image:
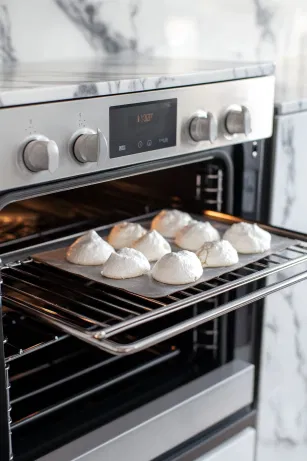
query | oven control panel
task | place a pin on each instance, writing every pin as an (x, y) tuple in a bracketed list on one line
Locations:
[(60, 140), (142, 127)]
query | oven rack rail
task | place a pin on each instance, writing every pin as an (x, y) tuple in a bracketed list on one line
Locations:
[(38, 337), (100, 315)]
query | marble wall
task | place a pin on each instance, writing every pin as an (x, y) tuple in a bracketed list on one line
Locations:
[(35, 30), (282, 424)]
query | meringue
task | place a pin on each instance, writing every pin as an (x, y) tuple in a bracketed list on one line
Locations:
[(169, 222), (218, 254), (195, 234), (152, 245), (125, 234), (125, 264), (178, 268), (89, 250), (248, 238)]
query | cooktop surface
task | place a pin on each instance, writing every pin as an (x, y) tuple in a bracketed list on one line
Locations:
[(30, 83)]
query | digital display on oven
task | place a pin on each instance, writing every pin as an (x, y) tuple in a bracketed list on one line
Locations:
[(137, 128)]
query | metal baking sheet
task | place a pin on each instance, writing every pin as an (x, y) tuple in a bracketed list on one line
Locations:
[(146, 285)]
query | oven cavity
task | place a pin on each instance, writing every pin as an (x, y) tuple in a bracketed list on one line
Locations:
[(49, 373)]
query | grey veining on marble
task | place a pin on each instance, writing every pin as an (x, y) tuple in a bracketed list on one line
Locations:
[(294, 101), (97, 31), (283, 408), (7, 52), (252, 29), (291, 89), (282, 425), (264, 18), (34, 83), (289, 179), (287, 140)]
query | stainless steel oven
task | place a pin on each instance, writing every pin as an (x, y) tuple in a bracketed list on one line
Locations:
[(93, 372)]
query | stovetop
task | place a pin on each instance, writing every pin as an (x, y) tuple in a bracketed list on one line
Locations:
[(30, 83)]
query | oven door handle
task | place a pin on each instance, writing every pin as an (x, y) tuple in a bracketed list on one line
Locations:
[(136, 346)]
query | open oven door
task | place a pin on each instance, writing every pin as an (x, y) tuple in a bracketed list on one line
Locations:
[(167, 423)]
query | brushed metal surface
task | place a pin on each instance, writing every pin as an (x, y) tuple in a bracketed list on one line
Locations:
[(60, 120), (203, 127), (87, 147), (238, 121), (41, 156), (159, 426)]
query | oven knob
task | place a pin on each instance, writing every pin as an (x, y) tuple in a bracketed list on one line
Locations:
[(238, 121), (41, 155), (87, 147), (203, 127)]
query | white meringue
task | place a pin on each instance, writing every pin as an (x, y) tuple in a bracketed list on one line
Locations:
[(125, 264), (125, 234), (178, 268), (152, 245), (89, 250), (248, 238), (195, 234), (218, 254), (168, 222)]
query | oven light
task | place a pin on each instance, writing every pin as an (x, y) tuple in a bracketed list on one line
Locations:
[(48, 311), (13, 219), (224, 217), (5, 219)]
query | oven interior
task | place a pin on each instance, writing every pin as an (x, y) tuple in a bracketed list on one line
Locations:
[(60, 387), (42, 219)]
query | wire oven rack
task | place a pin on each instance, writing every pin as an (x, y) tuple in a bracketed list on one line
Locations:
[(28, 336), (43, 367), (102, 315)]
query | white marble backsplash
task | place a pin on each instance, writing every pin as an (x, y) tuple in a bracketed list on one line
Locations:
[(282, 428), (35, 30)]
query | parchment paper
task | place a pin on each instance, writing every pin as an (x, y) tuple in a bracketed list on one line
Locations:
[(146, 285)]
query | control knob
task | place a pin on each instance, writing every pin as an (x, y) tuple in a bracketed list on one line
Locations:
[(41, 155), (87, 147), (203, 127), (238, 121)]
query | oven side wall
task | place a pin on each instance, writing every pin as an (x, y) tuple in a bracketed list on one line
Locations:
[(5, 436)]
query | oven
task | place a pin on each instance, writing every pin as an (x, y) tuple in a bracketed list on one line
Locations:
[(90, 371)]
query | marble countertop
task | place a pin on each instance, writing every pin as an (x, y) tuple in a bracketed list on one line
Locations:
[(290, 98), (34, 83), (291, 85)]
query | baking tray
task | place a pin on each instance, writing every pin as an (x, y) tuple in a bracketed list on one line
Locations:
[(145, 285)]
